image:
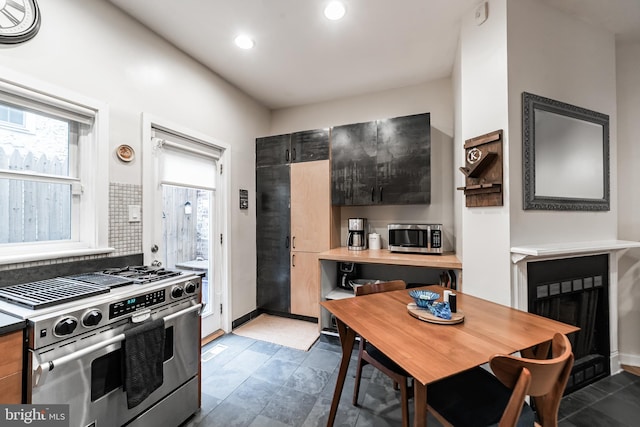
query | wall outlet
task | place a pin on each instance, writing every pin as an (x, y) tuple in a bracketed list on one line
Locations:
[(481, 13)]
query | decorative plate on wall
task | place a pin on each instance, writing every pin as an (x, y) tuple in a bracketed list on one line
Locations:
[(125, 153), (20, 21)]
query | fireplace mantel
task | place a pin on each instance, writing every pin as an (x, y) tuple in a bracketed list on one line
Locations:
[(523, 255), (552, 250)]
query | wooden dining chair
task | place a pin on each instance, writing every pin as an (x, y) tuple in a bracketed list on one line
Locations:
[(369, 355), (477, 398)]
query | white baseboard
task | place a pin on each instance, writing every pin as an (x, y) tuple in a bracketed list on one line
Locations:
[(629, 359)]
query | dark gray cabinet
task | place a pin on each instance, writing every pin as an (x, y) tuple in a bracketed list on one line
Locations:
[(273, 150), (305, 146), (274, 154), (272, 237), (404, 160), (310, 145), (353, 164), (382, 162)]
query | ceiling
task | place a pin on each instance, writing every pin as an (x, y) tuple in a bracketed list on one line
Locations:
[(300, 57)]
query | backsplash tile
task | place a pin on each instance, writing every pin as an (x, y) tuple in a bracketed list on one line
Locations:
[(124, 236)]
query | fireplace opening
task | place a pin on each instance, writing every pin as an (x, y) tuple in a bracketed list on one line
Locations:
[(576, 291)]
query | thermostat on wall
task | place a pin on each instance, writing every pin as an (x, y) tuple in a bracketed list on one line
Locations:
[(244, 199)]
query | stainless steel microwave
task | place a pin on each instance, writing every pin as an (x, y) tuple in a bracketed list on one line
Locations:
[(416, 238)]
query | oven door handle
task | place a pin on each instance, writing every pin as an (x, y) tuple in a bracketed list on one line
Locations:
[(41, 369)]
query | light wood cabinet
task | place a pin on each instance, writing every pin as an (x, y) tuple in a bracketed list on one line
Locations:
[(11, 368), (310, 232), (305, 284), (310, 206)]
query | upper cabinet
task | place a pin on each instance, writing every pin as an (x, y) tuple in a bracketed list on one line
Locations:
[(310, 145), (383, 162), (305, 146), (273, 150), (354, 151)]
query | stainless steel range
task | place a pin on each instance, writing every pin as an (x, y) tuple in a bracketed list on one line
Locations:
[(76, 328)]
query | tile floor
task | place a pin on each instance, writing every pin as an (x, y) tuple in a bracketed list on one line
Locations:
[(253, 383)]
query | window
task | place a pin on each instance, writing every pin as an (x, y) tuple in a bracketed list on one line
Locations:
[(12, 116), (53, 186)]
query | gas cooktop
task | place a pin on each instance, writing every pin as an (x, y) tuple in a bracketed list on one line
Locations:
[(60, 290)]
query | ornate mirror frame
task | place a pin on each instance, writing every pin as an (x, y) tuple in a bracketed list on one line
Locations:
[(565, 156)]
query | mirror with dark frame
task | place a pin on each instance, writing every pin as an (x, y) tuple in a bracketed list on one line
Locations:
[(565, 156)]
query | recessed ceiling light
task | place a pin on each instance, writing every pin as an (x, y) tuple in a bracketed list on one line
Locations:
[(334, 10), (244, 42)]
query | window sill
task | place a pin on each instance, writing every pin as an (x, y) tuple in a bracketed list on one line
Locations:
[(22, 257)]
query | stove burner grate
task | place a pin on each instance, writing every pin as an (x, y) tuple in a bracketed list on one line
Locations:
[(102, 279), (142, 273), (46, 293)]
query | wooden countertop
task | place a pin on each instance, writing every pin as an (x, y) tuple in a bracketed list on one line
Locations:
[(383, 256)]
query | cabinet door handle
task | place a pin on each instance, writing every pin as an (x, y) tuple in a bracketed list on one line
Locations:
[(293, 155), (293, 260), (287, 155), (293, 242), (373, 195), (286, 242), (381, 194)]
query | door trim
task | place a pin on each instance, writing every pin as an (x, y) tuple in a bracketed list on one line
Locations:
[(222, 290)]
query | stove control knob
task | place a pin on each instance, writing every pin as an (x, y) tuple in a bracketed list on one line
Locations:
[(190, 287), (176, 292), (92, 318), (65, 326)]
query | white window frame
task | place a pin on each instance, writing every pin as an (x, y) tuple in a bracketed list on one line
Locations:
[(90, 233)]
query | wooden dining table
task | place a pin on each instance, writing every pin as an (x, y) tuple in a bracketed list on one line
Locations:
[(428, 351)]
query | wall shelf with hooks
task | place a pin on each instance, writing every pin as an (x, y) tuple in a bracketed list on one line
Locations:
[(483, 170)]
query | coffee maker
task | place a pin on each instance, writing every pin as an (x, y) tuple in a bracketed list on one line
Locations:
[(356, 238), (347, 271)]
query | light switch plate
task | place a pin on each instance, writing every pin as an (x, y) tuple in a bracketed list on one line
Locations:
[(134, 213)]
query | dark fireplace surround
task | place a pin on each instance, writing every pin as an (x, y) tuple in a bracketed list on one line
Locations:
[(576, 291)]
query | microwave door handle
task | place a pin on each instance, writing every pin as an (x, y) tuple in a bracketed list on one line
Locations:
[(41, 368)]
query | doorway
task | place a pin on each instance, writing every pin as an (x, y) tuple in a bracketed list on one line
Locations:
[(184, 218)]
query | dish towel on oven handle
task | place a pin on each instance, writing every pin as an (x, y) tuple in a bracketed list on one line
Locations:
[(143, 356)]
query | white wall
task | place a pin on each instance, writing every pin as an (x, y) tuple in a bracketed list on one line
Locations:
[(434, 97), (628, 96), (482, 88), (556, 56), (91, 48)]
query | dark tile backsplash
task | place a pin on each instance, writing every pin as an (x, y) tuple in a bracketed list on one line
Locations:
[(42, 272)]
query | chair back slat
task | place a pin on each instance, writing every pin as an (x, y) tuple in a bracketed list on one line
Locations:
[(514, 407), (545, 373), (548, 377)]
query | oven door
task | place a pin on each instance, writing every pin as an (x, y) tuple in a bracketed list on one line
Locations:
[(91, 383)]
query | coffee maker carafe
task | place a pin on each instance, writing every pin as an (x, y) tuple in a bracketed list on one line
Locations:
[(356, 238)]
